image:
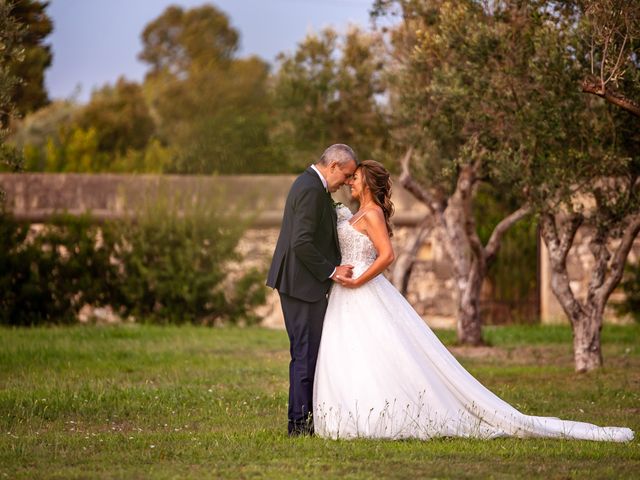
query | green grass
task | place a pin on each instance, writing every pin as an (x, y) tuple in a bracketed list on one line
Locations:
[(187, 402)]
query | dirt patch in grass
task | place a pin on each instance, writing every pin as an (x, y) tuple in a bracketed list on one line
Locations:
[(521, 355)]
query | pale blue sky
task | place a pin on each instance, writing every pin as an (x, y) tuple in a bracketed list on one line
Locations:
[(96, 41)]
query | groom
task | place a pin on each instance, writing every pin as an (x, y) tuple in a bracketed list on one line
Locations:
[(306, 260)]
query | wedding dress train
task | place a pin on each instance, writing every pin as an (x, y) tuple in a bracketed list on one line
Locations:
[(382, 372)]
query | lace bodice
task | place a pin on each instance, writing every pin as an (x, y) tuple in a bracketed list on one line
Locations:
[(355, 247)]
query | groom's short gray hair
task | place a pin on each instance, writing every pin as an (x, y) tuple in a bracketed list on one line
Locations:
[(340, 153)]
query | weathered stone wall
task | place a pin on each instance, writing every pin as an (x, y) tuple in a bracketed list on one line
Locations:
[(34, 197)]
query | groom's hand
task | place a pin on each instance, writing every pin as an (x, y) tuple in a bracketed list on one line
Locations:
[(342, 272)]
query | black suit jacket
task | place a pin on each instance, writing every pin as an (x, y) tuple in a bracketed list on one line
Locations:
[(307, 250)]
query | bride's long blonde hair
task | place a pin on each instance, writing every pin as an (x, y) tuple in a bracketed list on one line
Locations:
[(378, 179)]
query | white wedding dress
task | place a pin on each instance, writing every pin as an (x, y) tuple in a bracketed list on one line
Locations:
[(382, 372)]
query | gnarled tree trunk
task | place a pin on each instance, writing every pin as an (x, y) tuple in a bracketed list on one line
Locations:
[(558, 233), (455, 226), (587, 352), (468, 256), (469, 321)]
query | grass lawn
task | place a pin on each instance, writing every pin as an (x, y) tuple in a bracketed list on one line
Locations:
[(186, 402)]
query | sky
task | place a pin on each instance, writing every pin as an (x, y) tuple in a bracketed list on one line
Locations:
[(96, 41)]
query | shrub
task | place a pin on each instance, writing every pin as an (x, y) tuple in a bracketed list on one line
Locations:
[(167, 264), (48, 276), (174, 254)]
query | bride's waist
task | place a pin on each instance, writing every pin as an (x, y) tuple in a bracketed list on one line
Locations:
[(359, 267)]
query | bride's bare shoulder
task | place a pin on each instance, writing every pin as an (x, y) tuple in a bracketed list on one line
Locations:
[(374, 213)]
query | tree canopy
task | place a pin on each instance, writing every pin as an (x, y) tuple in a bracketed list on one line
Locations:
[(35, 56), (212, 106), (328, 91)]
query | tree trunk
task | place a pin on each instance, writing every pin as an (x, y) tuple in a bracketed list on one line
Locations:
[(455, 223), (587, 353), (469, 322), (586, 316), (467, 254)]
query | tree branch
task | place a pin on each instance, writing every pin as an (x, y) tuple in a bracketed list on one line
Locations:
[(590, 85), (404, 263), (493, 245), (568, 234), (592, 55), (620, 257), (413, 187), (615, 68)]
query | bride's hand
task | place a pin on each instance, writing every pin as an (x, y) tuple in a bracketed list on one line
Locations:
[(349, 282)]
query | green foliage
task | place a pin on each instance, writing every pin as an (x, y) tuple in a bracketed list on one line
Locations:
[(470, 87), (212, 107), (178, 39), (34, 131), (513, 275), (500, 77), (120, 117), (174, 256), (221, 124), (30, 93), (326, 92), (47, 277), (203, 110), (169, 264), (11, 158), (493, 86), (155, 158), (248, 291), (11, 52), (74, 150), (11, 34), (612, 28), (112, 133)]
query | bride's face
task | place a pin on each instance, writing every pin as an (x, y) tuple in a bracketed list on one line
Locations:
[(356, 184)]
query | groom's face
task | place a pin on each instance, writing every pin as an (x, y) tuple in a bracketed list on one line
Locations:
[(339, 175)]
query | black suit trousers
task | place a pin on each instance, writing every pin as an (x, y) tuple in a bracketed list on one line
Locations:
[(303, 321)]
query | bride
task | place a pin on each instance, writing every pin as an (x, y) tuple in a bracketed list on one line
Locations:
[(381, 372)]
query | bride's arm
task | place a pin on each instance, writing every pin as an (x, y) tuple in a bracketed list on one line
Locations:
[(376, 229)]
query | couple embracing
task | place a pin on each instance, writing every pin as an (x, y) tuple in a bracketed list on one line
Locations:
[(363, 362)]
